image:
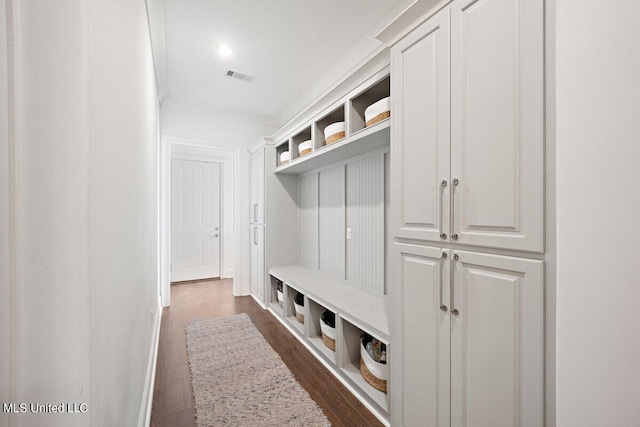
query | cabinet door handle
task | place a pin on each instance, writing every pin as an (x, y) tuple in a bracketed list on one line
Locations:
[(255, 212), (255, 235), (455, 183), (442, 306), (443, 185), (454, 310)]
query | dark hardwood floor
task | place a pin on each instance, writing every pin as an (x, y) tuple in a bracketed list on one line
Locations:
[(173, 404)]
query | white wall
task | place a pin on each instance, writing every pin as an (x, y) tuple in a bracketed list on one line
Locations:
[(123, 209), (598, 205), (216, 130), (54, 191), (88, 192), (5, 332)]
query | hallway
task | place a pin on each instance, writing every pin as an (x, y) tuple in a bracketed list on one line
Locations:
[(173, 404)]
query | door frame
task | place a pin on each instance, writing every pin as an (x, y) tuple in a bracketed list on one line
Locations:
[(228, 157)]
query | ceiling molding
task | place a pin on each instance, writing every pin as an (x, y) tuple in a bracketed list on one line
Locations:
[(157, 33), (228, 114), (410, 18)]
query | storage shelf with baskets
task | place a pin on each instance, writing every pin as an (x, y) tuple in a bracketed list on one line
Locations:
[(322, 334), (355, 125), (276, 296), (356, 313), (294, 307), (368, 375)]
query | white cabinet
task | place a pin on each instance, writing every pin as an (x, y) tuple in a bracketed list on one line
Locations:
[(497, 341), (257, 262), (273, 218), (421, 132), (497, 148), (482, 183), (422, 334), (470, 338), (257, 186)]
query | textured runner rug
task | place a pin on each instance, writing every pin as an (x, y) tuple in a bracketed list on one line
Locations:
[(239, 380)]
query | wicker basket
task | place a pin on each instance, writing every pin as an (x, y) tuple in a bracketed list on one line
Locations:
[(326, 339), (334, 132), (379, 118), (381, 369), (334, 138), (299, 313), (305, 152), (377, 383)]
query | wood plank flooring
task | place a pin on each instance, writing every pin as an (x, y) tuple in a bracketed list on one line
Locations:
[(173, 404)]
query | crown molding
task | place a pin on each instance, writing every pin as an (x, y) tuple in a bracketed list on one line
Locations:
[(173, 103)]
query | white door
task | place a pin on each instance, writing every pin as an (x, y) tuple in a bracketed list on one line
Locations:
[(421, 132), (421, 393), (497, 336), (497, 149), (195, 220)]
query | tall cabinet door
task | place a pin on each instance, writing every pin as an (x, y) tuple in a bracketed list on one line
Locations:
[(257, 186), (420, 387), (420, 148), (497, 106), (497, 326)]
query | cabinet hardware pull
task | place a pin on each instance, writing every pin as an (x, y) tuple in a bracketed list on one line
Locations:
[(442, 306), (454, 310), (455, 183), (255, 212), (443, 185), (255, 235)]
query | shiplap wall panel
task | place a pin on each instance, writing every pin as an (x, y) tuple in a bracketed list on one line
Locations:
[(365, 216), (308, 221), (332, 221)]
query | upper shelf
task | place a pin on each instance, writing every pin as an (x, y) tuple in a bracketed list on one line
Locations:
[(356, 124), (363, 141)]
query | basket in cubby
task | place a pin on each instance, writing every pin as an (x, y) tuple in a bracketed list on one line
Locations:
[(298, 304), (328, 329), (279, 294), (334, 132), (375, 373), (377, 111)]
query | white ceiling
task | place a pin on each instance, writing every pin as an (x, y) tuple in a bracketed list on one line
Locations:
[(287, 44)]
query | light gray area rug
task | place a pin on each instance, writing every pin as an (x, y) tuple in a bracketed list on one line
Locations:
[(239, 380)]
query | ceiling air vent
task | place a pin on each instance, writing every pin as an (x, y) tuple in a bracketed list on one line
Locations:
[(240, 76)]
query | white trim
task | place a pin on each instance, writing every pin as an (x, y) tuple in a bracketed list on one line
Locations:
[(147, 394), (190, 149)]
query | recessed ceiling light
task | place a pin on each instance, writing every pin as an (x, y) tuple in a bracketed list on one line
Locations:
[(225, 50)]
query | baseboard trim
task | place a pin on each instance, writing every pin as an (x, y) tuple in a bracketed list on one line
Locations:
[(147, 395)]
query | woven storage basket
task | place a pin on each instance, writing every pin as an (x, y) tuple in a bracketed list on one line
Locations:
[(305, 148), (334, 132), (377, 111), (377, 383), (335, 137), (299, 312), (379, 118), (329, 342), (326, 339), (373, 379)]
